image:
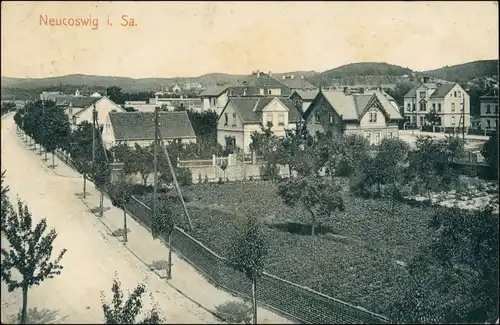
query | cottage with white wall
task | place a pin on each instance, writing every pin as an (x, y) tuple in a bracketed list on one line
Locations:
[(368, 114), (138, 127), (79, 109), (242, 116)]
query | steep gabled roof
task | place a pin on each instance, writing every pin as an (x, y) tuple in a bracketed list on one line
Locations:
[(443, 90), (262, 80), (214, 91), (352, 106), (250, 109), (140, 125)]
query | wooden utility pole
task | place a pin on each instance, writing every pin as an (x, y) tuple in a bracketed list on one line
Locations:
[(93, 134), (463, 118), (177, 187), (155, 163)]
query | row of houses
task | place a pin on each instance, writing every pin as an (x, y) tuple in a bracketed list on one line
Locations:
[(286, 103)]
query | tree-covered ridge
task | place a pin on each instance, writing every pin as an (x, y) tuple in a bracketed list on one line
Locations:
[(466, 71)]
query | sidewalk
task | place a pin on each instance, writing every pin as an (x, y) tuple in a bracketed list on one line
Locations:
[(185, 279)]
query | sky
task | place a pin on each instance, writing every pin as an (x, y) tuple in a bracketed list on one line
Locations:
[(187, 39)]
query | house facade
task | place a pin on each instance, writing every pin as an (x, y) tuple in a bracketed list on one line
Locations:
[(79, 109), (215, 98), (449, 100), (243, 116), (489, 111), (303, 99), (260, 84), (138, 127), (368, 114)]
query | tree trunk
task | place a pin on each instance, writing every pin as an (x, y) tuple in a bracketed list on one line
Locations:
[(24, 311), (53, 163), (46, 155), (40, 147), (254, 299), (313, 221), (84, 185), (101, 205), (169, 266), (125, 239), (144, 180)]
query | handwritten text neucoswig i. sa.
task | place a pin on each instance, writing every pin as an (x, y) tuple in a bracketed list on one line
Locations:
[(84, 22)]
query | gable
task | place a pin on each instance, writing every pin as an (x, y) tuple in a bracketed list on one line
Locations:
[(275, 106), (374, 105), (230, 109)]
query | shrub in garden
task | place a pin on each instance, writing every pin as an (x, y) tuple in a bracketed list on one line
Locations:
[(234, 312)]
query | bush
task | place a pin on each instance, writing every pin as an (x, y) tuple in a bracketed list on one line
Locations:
[(234, 312)]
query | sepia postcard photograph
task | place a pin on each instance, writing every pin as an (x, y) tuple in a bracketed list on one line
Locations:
[(249, 162)]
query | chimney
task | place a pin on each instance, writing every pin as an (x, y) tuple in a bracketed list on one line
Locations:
[(258, 74), (284, 77), (292, 76), (270, 74), (302, 77)]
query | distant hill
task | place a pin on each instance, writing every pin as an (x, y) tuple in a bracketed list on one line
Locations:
[(361, 73), (127, 84), (467, 71)]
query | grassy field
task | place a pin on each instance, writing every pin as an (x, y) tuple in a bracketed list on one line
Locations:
[(356, 258)]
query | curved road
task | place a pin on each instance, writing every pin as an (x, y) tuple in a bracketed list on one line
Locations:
[(91, 260)]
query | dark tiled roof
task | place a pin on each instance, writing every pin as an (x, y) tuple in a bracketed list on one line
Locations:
[(442, 90), (250, 109), (307, 95), (140, 125), (264, 80), (62, 99), (298, 83), (80, 102), (213, 91)]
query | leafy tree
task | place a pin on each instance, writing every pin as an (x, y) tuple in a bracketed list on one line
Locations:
[(7, 107), (142, 161), (57, 130), (116, 95), (490, 153), (126, 155), (432, 118), (163, 224), (430, 162), (249, 255), (29, 252), (296, 151), (320, 196), (234, 312), (454, 278), (126, 312), (5, 199), (121, 194), (81, 150)]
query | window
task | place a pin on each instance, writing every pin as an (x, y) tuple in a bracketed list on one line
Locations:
[(316, 117), (269, 92), (423, 106), (452, 107), (244, 92), (433, 106), (488, 122), (377, 138), (414, 109), (330, 118), (368, 136), (74, 119), (421, 120), (439, 107), (488, 109), (422, 94), (269, 119), (453, 120), (261, 92), (389, 135), (495, 109), (455, 94), (226, 119), (234, 119), (373, 117), (408, 107), (281, 119), (461, 107), (459, 94)]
